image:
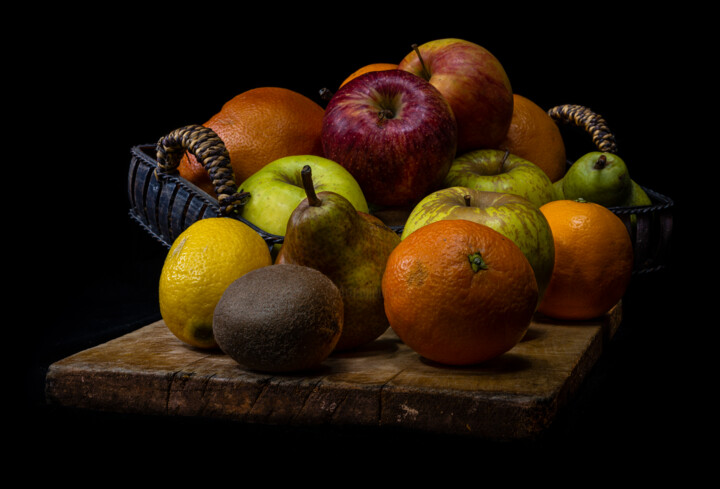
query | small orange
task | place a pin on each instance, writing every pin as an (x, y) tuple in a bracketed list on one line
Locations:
[(458, 292), (369, 68), (259, 126), (536, 137), (593, 260)]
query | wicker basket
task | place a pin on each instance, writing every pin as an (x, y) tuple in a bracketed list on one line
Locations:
[(165, 204), (650, 227)]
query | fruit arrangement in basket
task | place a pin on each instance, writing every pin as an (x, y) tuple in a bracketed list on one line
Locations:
[(425, 197)]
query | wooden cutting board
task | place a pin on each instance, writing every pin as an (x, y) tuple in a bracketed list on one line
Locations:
[(385, 384)]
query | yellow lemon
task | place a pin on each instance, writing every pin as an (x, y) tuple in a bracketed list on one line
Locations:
[(201, 263)]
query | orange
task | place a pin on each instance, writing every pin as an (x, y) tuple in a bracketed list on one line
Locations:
[(259, 126), (593, 260), (534, 136), (369, 68), (458, 292)]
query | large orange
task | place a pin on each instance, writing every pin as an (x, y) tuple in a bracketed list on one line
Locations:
[(259, 126), (536, 137), (458, 292), (593, 260), (368, 69)]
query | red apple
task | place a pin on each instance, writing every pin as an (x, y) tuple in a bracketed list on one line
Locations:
[(475, 85), (394, 132)]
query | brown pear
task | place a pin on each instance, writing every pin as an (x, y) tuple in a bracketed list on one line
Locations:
[(327, 233)]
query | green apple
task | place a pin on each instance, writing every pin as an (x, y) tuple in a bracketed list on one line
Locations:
[(599, 177), (277, 189), (513, 216), (494, 170)]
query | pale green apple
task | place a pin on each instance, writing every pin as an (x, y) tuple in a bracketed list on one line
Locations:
[(511, 215), (277, 189), (495, 170)]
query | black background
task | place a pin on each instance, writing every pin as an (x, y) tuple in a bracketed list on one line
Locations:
[(91, 90)]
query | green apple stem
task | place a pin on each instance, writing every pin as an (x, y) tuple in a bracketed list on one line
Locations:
[(476, 262), (425, 71), (312, 197), (467, 200), (600, 163), (505, 156)]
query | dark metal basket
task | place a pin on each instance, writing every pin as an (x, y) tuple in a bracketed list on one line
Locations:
[(165, 204)]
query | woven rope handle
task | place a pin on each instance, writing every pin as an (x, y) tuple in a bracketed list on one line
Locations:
[(211, 152), (588, 120)]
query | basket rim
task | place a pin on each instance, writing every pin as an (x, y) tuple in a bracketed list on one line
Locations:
[(144, 152), (662, 204)]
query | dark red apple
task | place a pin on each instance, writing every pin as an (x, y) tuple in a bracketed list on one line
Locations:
[(475, 85), (394, 132)]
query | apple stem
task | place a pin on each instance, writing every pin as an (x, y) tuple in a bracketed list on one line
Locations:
[(326, 94), (476, 262), (385, 115), (467, 200), (600, 163), (312, 197), (505, 156), (425, 72)]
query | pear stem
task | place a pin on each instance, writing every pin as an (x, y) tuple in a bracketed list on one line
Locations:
[(467, 200), (425, 72), (312, 197), (600, 163), (476, 262)]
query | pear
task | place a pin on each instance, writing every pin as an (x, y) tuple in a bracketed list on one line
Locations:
[(599, 177), (638, 197), (327, 233)]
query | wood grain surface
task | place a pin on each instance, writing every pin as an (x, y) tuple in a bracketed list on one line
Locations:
[(515, 396)]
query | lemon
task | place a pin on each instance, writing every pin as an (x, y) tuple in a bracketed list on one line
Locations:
[(201, 263)]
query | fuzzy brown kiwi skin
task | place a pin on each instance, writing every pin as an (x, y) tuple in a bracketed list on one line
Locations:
[(279, 318)]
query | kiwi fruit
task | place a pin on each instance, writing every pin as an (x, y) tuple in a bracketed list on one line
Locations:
[(279, 318)]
